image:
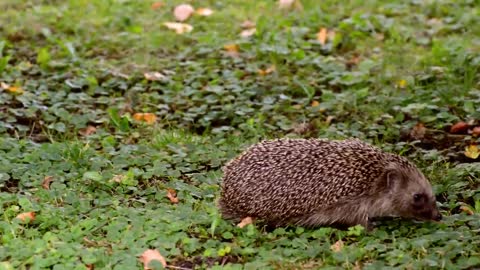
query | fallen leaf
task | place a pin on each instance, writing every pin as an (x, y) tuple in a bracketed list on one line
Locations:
[(267, 71), (4, 86), (459, 127), (329, 119), (183, 12), (148, 118), (476, 131), (26, 217), (245, 222), (315, 103), (248, 32), (467, 210), (418, 131), (47, 181), (89, 130), (154, 76), (157, 5), (151, 255), (401, 84), (322, 35), (247, 24), (118, 178), (337, 247), (204, 12), (231, 49), (172, 195), (288, 4), (89, 266), (472, 151), (180, 28)]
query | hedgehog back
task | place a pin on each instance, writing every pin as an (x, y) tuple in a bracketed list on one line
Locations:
[(281, 179)]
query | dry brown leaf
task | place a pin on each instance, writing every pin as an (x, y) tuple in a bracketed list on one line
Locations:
[(154, 76), (418, 131), (322, 35), (459, 127), (26, 217), (204, 12), (183, 12), (231, 49), (315, 103), (148, 118), (151, 255), (89, 266), (248, 32), (89, 130), (476, 131), (172, 195), (467, 210), (247, 24), (329, 119), (472, 151), (267, 71), (180, 28), (337, 247), (118, 178), (245, 222), (46, 182), (157, 5)]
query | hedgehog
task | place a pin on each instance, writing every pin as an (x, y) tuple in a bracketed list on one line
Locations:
[(321, 182)]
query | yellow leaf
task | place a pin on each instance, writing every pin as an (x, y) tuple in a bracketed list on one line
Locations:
[(248, 32), (402, 84), (179, 28), (245, 222), (152, 255), (472, 151), (322, 35), (204, 12), (267, 71), (148, 118), (337, 247), (183, 12), (315, 103), (232, 49)]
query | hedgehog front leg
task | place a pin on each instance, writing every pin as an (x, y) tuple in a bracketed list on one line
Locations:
[(341, 213)]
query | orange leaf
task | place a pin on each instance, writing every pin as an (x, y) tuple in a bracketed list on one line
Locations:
[(180, 28), (157, 5), (267, 71), (183, 12), (90, 266), (248, 32), (26, 217), (472, 151), (89, 130), (459, 127), (151, 255), (232, 49), (172, 195), (204, 12), (467, 210), (148, 118), (245, 222), (322, 35), (315, 103), (46, 182), (337, 247)]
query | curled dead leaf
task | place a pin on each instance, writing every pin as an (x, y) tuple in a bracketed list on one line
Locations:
[(459, 127), (26, 217), (148, 118), (248, 32), (183, 12), (180, 28), (267, 71), (472, 151), (157, 5), (337, 247), (467, 210), (150, 255), (245, 222), (418, 131), (172, 195), (89, 130), (204, 12), (154, 76), (46, 182)]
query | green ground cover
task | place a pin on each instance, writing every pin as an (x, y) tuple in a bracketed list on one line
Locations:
[(397, 74)]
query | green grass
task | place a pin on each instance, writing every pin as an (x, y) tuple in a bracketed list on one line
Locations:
[(81, 63)]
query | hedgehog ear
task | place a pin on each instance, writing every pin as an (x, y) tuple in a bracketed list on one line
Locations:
[(392, 178)]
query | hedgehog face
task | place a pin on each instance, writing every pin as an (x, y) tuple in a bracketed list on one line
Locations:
[(412, 195)]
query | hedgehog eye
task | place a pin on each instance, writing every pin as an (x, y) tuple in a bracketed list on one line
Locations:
[(417, 197)]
